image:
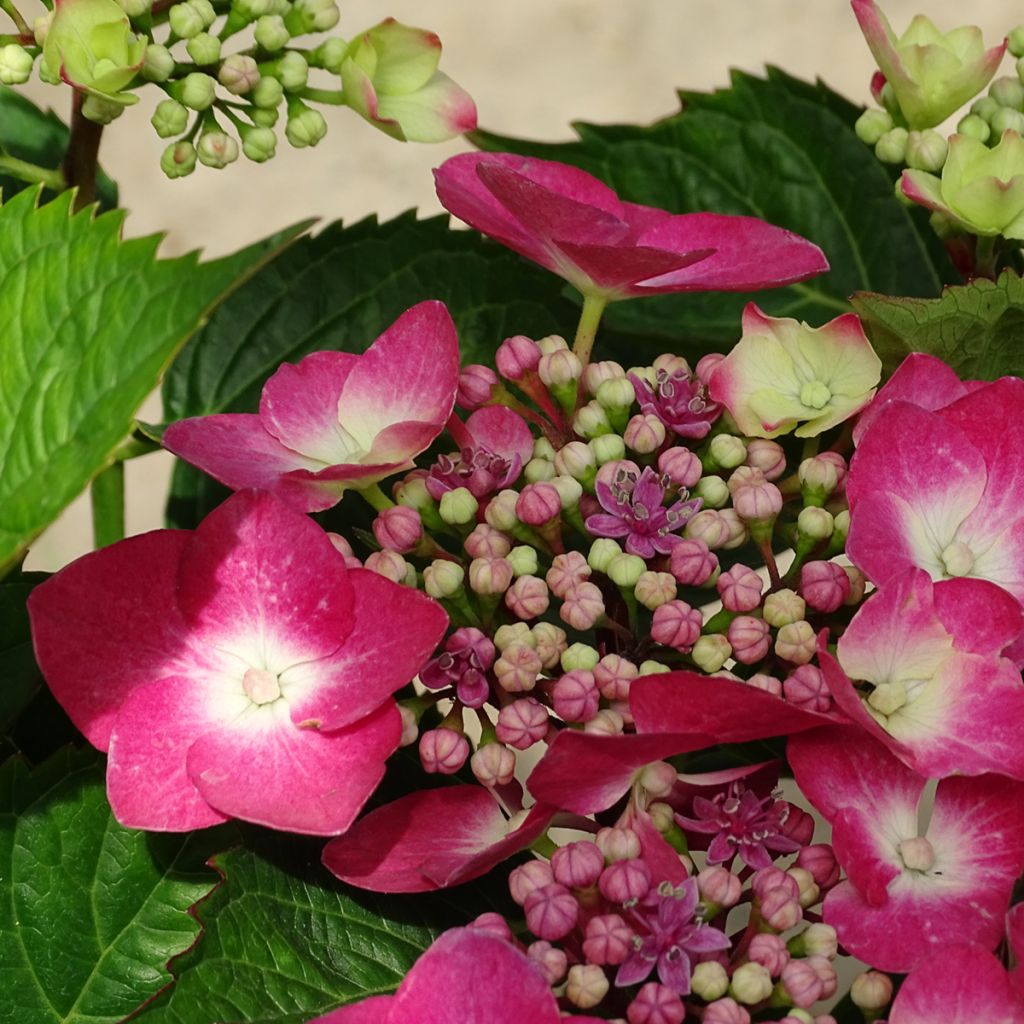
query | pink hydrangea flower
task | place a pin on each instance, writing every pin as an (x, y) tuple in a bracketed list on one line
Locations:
[(572, 224), (227, 675), (910, 891), (943, 490), (467, 975), (335, 420)]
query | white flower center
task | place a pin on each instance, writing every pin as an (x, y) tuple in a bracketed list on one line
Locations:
[(917, 854), (815, 394), (888, 698), (261, 686), (957, 559)]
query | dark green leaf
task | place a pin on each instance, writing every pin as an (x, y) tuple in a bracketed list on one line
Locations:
[(90, 913), (778, 149), (89, 324), (19, 675), (28, 133), (285, 941), (977, 328)]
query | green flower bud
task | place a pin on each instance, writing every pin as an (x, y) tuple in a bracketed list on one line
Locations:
[(712, 490), (458, 507), (1006, 119), (926, 151), (552, 343), (206, 11), (100, 110), (216, 150), (204, 48), (569, 490), (615, 394), (624, 570), (579, 656), (727, 451), (251, 10), (443, 578), (871, 990), (15, 64), (135, 8), (293, 71), (197, 91), (711, 652), (607, 448), (591, 421), (782, 607), (538, 470), (872, 125), (602, 551), (329, 55), (1007, 92), (1015, 41), (984, 107), (576, 460), (815, 523), (709, 981), (157, 64), (305, 126), (311, 16), (238, 74), (263, 118), (1019, 68), (41, 26), (271, 33), (523, 560), (975, 126), (514, 633), (258, 144), (891, 148), (543, 449), (178, 159), (267, 93), (186, 20), (650, 667), (169, 118)]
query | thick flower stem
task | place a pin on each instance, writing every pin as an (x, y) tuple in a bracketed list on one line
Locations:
[(985, 257), (586, 331), (376, 498), (82, 158), (15, 15), (33, 173), (106, 496)]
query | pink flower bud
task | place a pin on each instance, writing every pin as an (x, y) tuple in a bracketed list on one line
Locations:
[(625, 881), (443, 751), (534, 874), (676, 625), (766, 456), (398, 528), (522, 723), (757, 502), (798, 824), (517, 668), (692, 563), (658, 778), (493, 765), (613, 674), (671, 363), (607, 722), (681, 466), (824, 585), (802, 984), (492, 924), (566, 571), (597, 373), (551, 912), (619, 843), (770, 952), (490, 575), (765, 682), (740, 589), (644, 434), (607, 940), (826, 973), (516, 357), (583, 606), (725, 1011), (575, 697), (389, 564), (773, 878), (709, 526), (342, 545), (656, 1004), (796, 642), (476, 385), (821, 862), (527, 598), (858, 584), (577, 865), (806, 688), (586, 986), (780, 910), (653, 589), (487, 542), (749, 638), (538, 504), (553, 963), (720, 886), (410, 727)]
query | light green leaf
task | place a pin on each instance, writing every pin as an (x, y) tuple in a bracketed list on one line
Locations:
[(89, 324), (977, 328), (90, 913)]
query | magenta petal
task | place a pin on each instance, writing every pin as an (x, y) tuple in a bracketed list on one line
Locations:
[(263, 581), (265, 769), (395, 631), (375, 1010), (108, 623), (148, 785), (732, 712), (959, 984), (429, 840), (620, 268), (660, 857), (299, 404), (981, 617), (502, 432)]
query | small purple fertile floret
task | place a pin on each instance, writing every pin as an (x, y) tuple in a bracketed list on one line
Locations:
[(633, 509), (468, 654), (680, 400), (477, 469)]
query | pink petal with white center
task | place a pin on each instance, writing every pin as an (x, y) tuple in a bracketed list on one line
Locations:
[(262, 581), (586, 773), (263, 768), (502, 432), (409, 374), (729, 711), (395, 631), (748, 254), (299, 405), (960, 984), (107, 624), (148, 785), (430, 840)]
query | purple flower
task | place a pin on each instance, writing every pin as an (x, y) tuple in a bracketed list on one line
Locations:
[(634, 511), (468, 654), (743, 823), (680, 401), (666, 936)]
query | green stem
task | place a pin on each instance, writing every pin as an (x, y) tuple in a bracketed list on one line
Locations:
[(332, 97), (24, 171), (23, 26), (376, 498), (107, 498), (586, 332), (985, 256)]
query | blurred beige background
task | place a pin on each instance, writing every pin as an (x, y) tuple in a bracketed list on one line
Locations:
[(533, 66)]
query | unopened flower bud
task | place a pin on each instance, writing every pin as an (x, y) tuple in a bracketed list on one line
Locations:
[(312, 16), (569, 490), (757, 503), (169, 118), (552, 343), (559, 368), (238, 74), (305, 126), (801, 983), (291, 70), (767, 456), (501, 511), (780, 910), (820, 860), (15, 64), (783, 607), (551, 912), (196, 91), (204, 48), (725, 1011), (709, 980), (751, 983), (607, 722), (615, 395), (624, 570), (475, 387), (576, 460), (157, 63), (806, 688), (389, 564), (517, 356), (619, 843), (768, 683), (271, 33), (891, 147), (653, 589), (514, 633), (523, 880), (681, 466), (267, 93), (538, 504), (609, 448), (826, 974), (749, 639), (625, 881), (579, 656), (710, 527), (178, 159), (644, 434), (711, 652), (691, 563), (719, 886), (656, 1004), (602, 551), (712, 490), (677, 625), (186, 20), (578, 865), (527, 597), (591, 421), (458, 507), (815, 523), (398, 528), (613, 675), (607, 937), (926, 150), (820, 940), (824, 585), (250, 10), (575, 697), (493, 765), (443, 578), (551, 962), (582, 607), (809, 891), (871, 990), (796, 642), (586, 986), (650, 667), (727, 451), (443, 751), (974, 126), (740, 589), (872, 125), (522, 723), (819, 477)]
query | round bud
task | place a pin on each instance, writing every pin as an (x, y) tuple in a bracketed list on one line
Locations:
[(1008, 92), (712, 490), (523, 560), (891, 147), (727, 451), (608, 448), (1015, 41), (607, 937), (458, 507), (795, 642), (586, 986), (602, 551), (624, 570), (974, 126), (725, 1011), (591, 421), (815, 523), (872, 125), (291, 70), (15, 64), (493, 765), (751, 983), (329, 55), (523, 880), (538, 471), (926, 151), (178, 159), (551, 912), (522, 723), (654, 589), (1006, 119), (204, 48), (579, 656), (443, 578), (711, 652), (871, 990), (681, 466), (615, 395), (517, 356), (305, 126), (157, 63), (443, 751), (169, 118), (238, 74), (186, 20), (783, 607), (216, 150), (709, 980), (197, 91), (271, 33), (656, 1004), (312, 16), (267, 93)]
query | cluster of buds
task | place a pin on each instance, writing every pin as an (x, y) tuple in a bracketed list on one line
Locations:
[(220, 104)]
